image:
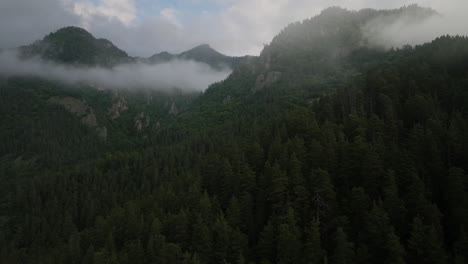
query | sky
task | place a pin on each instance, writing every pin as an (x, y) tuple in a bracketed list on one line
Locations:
[(145, 27)]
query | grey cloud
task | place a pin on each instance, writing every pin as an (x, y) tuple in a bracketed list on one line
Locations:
[(244, 26), (24, 21), (185, 75), (450, 20), (241, 27)]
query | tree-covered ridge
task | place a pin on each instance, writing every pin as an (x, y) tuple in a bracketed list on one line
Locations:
[(306, 59), (322, 44), (373, 170), (202, 53), (74, 45)]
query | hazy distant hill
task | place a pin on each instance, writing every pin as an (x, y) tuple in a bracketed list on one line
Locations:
[(202, 53)]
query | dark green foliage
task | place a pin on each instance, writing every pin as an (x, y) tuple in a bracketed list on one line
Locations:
[(372, 171)]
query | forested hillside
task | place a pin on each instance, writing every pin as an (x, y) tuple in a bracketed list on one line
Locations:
[(300, 156)]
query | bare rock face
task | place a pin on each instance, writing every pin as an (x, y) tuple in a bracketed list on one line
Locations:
[(142, 121), (260, 82), (173, 110), (102, 132), (73, 105), (90, 120), (271, 78), (227, 99), (81, 110), (157, 125), (119, 105)]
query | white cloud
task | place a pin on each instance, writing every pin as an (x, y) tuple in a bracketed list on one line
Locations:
[(170, 15), (122, 10), (452, 21), (181, 74)]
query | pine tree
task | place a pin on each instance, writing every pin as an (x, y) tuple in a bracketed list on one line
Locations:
[(279, 193), (220, 244), (313, 252), (324, 196), (201, 239), (392, 201), (233, 213), (424, 244), (394, 250), (343, 252), (455, 202), (288, 240), (380, 237), (266, 246)]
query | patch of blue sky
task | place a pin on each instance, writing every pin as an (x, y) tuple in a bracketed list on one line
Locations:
[(153, 7)]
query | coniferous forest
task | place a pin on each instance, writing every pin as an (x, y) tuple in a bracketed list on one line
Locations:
[(320, 150)]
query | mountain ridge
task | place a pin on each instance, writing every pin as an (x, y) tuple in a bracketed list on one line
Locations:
[(75, 45), (202, 53)]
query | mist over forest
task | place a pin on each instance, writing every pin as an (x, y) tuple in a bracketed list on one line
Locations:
[(343, 139), (185, 75)]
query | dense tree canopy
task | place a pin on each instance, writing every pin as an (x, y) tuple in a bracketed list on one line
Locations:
[(367, 168)]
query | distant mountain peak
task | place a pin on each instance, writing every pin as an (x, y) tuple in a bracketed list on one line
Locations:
[(203, 53), (204, 46), (71, 30), (203, 49), (164, 53), (76, 45)]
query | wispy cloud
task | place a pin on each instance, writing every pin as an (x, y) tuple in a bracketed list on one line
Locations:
[(180, 74)]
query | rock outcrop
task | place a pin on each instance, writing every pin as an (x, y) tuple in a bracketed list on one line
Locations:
[(262, 81), (142, 121), (157, 125), (227, 99), (119, 105), (173, 110), (81, 110)]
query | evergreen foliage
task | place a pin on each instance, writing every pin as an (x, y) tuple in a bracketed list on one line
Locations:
[(332, 168)]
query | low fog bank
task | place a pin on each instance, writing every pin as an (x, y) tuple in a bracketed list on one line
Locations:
[(182, 74), (397, 31)]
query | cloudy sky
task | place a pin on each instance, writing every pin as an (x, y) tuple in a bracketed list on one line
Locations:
[(145, 27)]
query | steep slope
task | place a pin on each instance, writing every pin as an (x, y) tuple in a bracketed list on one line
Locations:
[(323, 44), (309, 58), (362, 162)]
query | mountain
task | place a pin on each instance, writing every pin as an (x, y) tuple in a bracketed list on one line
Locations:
[(73, 45), (328, 43), (202, 53), (161, 57), (324, 149), (309, 58)]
